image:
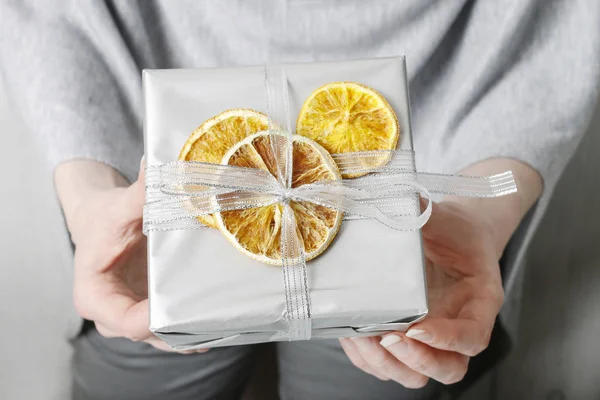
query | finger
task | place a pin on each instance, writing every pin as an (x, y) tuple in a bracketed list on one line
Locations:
[(359, 362), (384, 363), (201, 350), (464, 336), (130, 316), (155, 342), (443, 366), (117, 314), (160, 345), (104, 331)]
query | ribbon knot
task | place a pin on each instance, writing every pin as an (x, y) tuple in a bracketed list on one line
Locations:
[(284, 195)]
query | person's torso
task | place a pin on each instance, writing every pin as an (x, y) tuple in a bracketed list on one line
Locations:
[(196, 34), (455, 51)]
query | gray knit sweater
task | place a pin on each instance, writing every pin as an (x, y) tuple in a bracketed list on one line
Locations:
[(488, 78)]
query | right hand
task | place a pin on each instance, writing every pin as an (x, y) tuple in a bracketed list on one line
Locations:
[(110, 285)]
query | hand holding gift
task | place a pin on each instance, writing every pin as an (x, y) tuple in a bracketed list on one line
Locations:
[(346, 138), (465, 295), (110, 281)]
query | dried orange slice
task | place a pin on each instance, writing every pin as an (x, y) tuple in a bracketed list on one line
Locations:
[(348, 117), (211, 140), (257, 231)]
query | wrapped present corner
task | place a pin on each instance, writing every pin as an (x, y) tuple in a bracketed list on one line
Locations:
[(366, 278)]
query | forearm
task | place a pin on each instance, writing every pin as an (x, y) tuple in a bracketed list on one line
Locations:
[(503, 213), (77, 180)]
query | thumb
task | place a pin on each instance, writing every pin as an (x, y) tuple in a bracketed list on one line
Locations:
[(124, 315), (135, 195)]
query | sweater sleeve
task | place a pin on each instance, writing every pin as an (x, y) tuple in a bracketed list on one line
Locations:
[(73, 80), (522, 82)]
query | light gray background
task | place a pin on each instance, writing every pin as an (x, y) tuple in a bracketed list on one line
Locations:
[(557, 358)]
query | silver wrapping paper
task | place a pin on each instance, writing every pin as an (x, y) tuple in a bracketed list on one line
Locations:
[(205, 293)]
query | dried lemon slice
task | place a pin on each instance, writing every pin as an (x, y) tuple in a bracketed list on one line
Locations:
[(211, 140), (257, 231), (348, 117)]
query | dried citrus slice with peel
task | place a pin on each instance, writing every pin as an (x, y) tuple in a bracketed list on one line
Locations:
[(257, 231), (211, 140), (349, 117)]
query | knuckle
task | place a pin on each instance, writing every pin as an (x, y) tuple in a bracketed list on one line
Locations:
[(379, 360), (424, 364), (81, 310), (417, 382), (360, 364), (135, 335), (473, 350), (456, 375), (476, 348), (479, 345), (452, 343), (485, 341), (494, 294), (499, 296), (81, 304)]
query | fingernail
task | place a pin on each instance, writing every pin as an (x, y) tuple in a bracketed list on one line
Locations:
[(395, 344), (390, 340), (420, 335)]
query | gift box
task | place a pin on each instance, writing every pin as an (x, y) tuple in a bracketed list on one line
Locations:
[(203, 292)]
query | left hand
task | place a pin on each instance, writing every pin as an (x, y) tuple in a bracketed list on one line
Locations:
[(465, 295)]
